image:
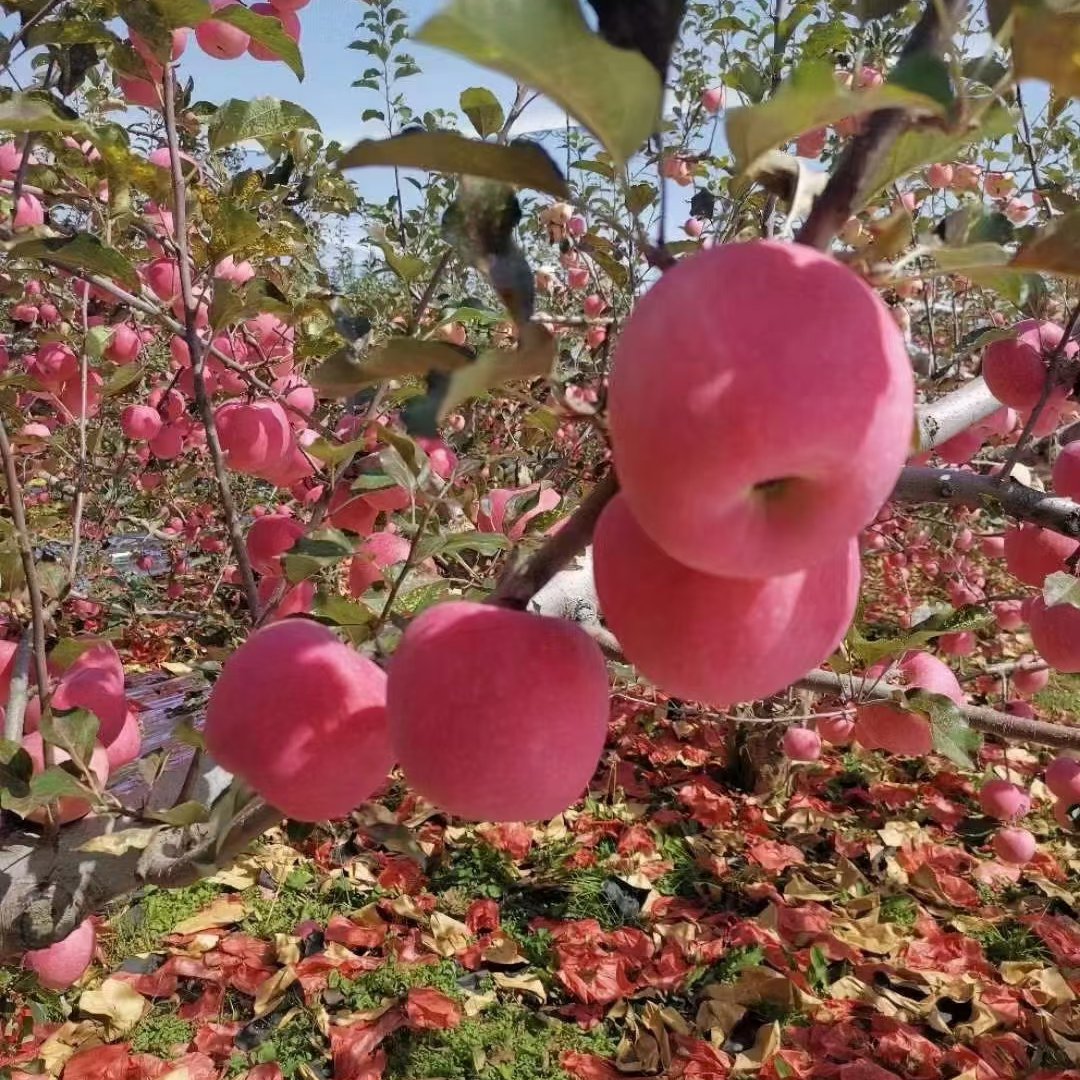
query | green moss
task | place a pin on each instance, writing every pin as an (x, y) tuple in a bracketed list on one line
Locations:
[(299, 898), (140, 927), (296, 1046), (505, 1042), (394, 980), (731, 964), (1011, 941), (684, 876), (161, 1033), (1061, 696), (476, 868), (899, 909)]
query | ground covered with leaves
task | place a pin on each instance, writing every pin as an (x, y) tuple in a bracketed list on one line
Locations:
[(847, 922)]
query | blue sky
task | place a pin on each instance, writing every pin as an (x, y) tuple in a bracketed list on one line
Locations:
[(326, 92)]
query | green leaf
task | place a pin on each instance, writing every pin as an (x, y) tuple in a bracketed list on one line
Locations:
[(96, 341), (407, 267), (352, 616), (187, 813), (615, 93), (522, 163), (56, 783), (36, 111), (69, 31), (1055, 249), (74, 731), (266, 30), (481, 542), (1046, 45), (343, 373), (119, 843), (482, 108), (121, 379), (926, 74), (233, 303), (952, 736), (312, 553), (16, 768), (811, 98), (334, 453), (534, 357), (83, 254), (950, 622), (1061, 588), (261, 118)]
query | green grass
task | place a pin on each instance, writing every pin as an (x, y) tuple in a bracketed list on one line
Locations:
[(160, 1033), (504, 1042), (728, 968), (140, 928), (298, 899), (395, 980), (1062, 695), (1011, 941), (684, 876), (477, 869), (899, 909), (295, 1047), (588, 899)]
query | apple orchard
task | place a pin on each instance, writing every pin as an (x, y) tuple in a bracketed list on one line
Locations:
[(449, 506)]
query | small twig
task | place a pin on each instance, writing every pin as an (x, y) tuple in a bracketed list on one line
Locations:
[(198, 352), (26, 553), (80, 472), (425, 298), (19, 693), (988, 721), (39, 16), (521, 582)]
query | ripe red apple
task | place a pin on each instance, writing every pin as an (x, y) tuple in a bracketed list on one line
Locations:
[(1062, 777), (1015, 368), (1014, 846), (68, 808), (1031, 682), (885, 725), (220, 39), (693, 227), (1031, 553), (95, 682), (1055, 632), (1066, 474), (811, 144), (712, 100), (491, 515), (1002, 800), (290, 5), (778, 467), (350, 510), (269, 538), (378, 552), (961, 643), (125, 346), (836, 730), (256, 436), (140, 422), (63, 964), (802, 744), (739, 639), (127, 745), (302, 718), (290, 23), (163, 277), (497, 715), (939, 176)]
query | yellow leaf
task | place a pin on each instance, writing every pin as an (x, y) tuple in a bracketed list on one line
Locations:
[(118, 1006), (522, 984), (272, 990), (224, 911)]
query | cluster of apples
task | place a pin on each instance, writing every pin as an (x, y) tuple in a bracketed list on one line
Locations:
[(216, 38), (760, 412), (492, 714)]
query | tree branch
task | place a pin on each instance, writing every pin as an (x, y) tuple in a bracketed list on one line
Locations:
[(848, 188), (938, 421), (988, 721), (197, 349), (957, 487), (522, 581), (46, 891)]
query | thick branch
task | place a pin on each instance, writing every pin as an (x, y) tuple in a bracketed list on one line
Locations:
[(46, 891), (957, 487), (523, 581), (988, 721), (938, 421), (849, 187), (197, 349)]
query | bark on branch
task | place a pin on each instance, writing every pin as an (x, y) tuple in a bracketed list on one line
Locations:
[(957, 487), (46, 890), (988, 721)]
